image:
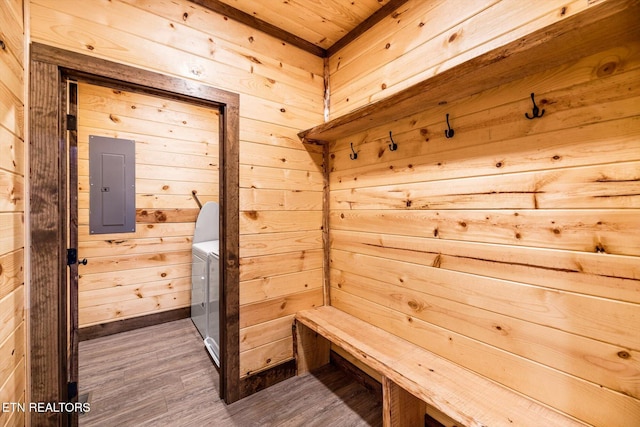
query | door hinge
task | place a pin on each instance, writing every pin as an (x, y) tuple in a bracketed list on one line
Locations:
[(72, 391), (72, 256), (72, 122)]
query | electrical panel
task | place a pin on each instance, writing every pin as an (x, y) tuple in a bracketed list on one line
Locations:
[(112, 191)]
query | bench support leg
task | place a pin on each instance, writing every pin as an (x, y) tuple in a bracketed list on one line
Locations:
[(311, 349), (399, 407)]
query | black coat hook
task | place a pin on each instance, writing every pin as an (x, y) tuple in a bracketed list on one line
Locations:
[(536, 111), (449, 132), (393, 146), (353, 154)]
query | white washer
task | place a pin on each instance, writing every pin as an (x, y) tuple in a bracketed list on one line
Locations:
[(205, 279)]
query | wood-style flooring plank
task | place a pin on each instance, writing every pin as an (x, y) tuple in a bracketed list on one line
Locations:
[(162, 375)]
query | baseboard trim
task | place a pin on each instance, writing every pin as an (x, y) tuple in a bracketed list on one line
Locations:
[(264, 379), (124, 325)]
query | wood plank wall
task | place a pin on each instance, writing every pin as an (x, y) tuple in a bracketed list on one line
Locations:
[(132, 274), (281, 92), (12, 207), (423, 38), (512, 249)]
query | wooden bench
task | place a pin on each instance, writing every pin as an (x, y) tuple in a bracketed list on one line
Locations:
[(413, 376)]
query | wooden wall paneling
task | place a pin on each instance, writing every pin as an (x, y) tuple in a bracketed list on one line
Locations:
[(451, 37), (579, 36), (289, 200), (13, 299), (12, 350), (144, 107), (264, 311), (12, 17), (97, 248), (12, 109), (11, 151), (545, 307), (12, 390), (239, 38), (591, 230), (264, 357), (120, 277), (105, 264), (165, 187), (396, 35), (597, 274), (554, 390), (11, 192), (12, 312), (284, 112), (575, 149), (128, 308), (583, 357), (377, 266), (277, 286), (274, 243), (144, 126), (469, 294), (101, 108), (272, 178), (279, 221), (600, 186), (154, 144), (266, 155), (125, 47), (114, 294), (11, 271), (273, 134), (150, 229), (270, 265), (265, 333), (488, 144), (488, 158), (17, 11), (280, 86), (11, 232), (12, 54)]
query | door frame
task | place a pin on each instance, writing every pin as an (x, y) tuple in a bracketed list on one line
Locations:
[(50, 68)]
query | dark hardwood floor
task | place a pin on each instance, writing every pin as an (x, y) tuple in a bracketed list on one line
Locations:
[(162, 376)]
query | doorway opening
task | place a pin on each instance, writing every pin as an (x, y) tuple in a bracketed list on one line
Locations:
[(54, 336)]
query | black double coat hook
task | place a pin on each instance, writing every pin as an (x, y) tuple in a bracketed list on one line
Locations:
[(536, 111)]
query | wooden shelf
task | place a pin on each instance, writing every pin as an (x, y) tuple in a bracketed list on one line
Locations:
[(602, 26)]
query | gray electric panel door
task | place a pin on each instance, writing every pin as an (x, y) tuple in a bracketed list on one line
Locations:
[(112, 191)]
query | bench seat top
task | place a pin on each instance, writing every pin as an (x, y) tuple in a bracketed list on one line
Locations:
[(463, 395)]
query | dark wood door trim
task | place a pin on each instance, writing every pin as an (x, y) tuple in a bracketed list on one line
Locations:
[(48, 341), (48, 226)]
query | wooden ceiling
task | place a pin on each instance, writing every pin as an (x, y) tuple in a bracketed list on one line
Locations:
[(318, 26)]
